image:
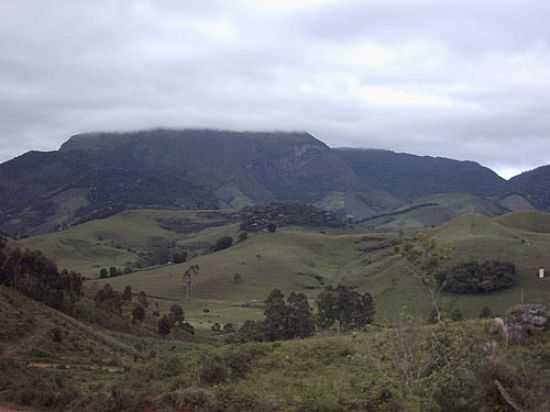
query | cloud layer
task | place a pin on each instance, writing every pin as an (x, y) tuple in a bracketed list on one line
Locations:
[(469, 79)]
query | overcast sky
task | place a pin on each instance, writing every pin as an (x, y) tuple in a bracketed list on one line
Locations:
[(466, 79)]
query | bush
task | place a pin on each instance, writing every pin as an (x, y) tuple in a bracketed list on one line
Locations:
[(213, 371), (223, 243), (242, 236)]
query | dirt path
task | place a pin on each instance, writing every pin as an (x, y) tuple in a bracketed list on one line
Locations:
[(14, 408)]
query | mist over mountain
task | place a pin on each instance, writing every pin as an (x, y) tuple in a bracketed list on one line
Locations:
[(97, 173)]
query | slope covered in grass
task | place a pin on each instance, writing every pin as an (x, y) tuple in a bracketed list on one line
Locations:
[(529, 221), (117, 240)]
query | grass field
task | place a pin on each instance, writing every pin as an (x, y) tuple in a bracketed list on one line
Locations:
[(296, 259), (117, 240)]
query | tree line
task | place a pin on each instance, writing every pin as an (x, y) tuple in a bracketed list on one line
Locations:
[(293, 317), (34, 275)]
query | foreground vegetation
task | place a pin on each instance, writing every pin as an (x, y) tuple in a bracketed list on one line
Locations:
[(452, 366), (286, 319)]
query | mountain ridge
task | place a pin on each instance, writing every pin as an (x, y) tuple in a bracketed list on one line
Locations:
[(93, 173)]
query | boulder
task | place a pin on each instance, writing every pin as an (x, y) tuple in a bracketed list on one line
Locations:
[(525, 320)]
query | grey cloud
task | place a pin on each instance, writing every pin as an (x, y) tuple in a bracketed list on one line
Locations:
[(462, 79)]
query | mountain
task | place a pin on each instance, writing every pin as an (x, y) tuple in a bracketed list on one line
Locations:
[(408, 176), (534, 185), (94, 175)]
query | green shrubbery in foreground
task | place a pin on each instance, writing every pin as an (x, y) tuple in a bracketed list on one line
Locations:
[(447, 367)]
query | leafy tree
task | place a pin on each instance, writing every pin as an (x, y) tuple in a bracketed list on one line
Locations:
[(103, 273), (346, 306), (301, 322), (426, 258), (127, 294), (113, 271), (271, 228), (109, 299), (138, 314), (223, 243), (164, 326), (176, 314), (36, 276), (250, 331), (276, 316), (142, 299), (237, 278)]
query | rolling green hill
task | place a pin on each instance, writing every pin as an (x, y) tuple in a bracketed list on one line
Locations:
[(119, 239), (433, 211), (299, 259), (530, 221)]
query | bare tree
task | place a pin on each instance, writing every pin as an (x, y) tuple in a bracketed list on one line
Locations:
[(426, 259), (188, 278)]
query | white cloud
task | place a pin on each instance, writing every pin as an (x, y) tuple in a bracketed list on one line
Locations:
[(467, 79)]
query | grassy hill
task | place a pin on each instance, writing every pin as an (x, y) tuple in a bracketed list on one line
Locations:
[(529, 221), (119, 239), (435, 210), (305, 260)]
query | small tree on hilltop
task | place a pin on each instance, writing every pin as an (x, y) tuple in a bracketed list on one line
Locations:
[(113, 271), (237, 278), (164, 326), (426, 259), (103, 273), (271, 228)]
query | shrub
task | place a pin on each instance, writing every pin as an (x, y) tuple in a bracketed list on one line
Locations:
[(213, 371), (223, 243), (242, 236)]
